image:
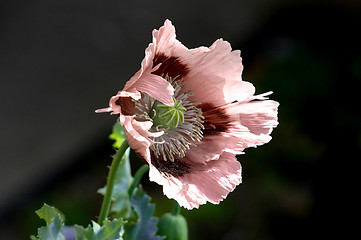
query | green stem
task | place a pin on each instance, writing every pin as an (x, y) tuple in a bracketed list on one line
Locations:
[(138, 175), (110, 182), (176, 209)]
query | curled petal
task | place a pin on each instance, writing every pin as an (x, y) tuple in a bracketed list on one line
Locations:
[(156, 87), (101, 110), (137, 135)]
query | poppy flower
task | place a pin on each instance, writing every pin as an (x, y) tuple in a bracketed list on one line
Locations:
[(188, 113)]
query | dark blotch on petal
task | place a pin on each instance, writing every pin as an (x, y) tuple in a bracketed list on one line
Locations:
[(140, 156), (127, 105), (216, 120), (177, 168), (169, 65)]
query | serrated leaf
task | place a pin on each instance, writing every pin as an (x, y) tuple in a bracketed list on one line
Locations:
[(118, 135), (146, 226), (54, 224), (111, 230), (51, 231), (123, 179), (82, 233), (48, 213)]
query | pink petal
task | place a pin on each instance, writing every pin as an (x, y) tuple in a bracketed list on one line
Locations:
[(217, 90), (260, 117), (146, 65), (165, 40), (209, 182), (114, 107), (136, 133), (220, 68), (249, 126), (214, 73), (102, 110), (212, 147), (156, 86)]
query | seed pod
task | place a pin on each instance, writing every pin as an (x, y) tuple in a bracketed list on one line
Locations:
[(167, 117), (173, 227)]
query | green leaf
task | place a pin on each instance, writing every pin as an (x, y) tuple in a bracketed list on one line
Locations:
[(54, 224), (146, 225), (52, 231), (118, 135), (123, 179), (49, 213), (111, 230)]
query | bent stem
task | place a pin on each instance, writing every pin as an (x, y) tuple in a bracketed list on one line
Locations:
[(110, 182), (137, 177)]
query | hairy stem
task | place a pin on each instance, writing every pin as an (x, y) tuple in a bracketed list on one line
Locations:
[(110, 182)]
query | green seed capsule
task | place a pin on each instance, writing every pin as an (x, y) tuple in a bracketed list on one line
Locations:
[(167, 117)]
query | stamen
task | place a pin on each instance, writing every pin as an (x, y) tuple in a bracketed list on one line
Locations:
[(143, 105), (174, 143), (177, 141)]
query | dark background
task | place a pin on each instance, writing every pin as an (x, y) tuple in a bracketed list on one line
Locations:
[(60, 60)]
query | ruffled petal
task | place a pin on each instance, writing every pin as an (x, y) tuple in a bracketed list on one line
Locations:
[(248, 125), (165, 40), (214, 73), (209, 182), (212, 147), (260, 117)]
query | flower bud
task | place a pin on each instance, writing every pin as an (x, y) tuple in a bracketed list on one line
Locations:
[(173, 227)]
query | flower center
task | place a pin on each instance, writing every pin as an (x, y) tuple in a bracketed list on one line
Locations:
[(181, 123), (167, 117)]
